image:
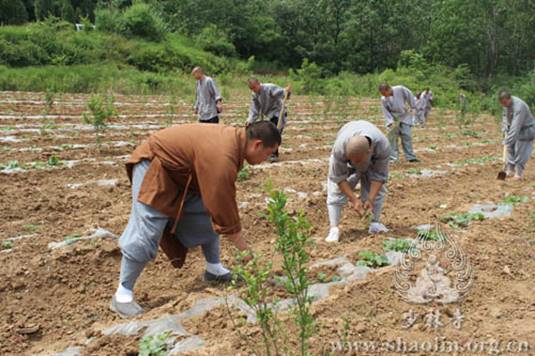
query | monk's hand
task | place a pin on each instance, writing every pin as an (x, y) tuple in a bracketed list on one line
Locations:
[(368, 205), (357, 206), (219, 106), (289, 89)]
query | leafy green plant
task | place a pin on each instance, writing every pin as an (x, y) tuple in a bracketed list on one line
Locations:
[(372, 259), (414, 171), (36, 165), (54, 161), (6, 245), (398, 245), (432, 234), (461, 220), (101, 110), (294, 237), (397, 175), (258, 295), (479, 160), (32, 228), (322, 277), (72, 238), (515, 199), (49, 100), (156, 345), (244, 174), (10, 165), (471, 133)]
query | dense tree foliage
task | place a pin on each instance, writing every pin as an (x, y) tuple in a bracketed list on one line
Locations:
[(488, 37)]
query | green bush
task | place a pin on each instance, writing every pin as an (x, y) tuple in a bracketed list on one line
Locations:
[(141, 20), (215, 40), (107, 19)]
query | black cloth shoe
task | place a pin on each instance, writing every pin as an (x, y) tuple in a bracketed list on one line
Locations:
[(224, 278), (414, 160)]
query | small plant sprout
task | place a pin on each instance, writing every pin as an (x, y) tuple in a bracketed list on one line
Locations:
[(294, 237), (457, 220), (101, 110), (156, 345), (372, 259), (10, 165), (54, 161), (414, 171), (515, 199), (398, 245), (244, 174), (6, 245), (49, 100), (258, 292)]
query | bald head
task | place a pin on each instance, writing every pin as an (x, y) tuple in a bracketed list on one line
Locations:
[(197, 73), (358, 149)]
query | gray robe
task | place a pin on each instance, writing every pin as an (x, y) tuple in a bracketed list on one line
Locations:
[(394, 107), (206, 96), (518, 127), (374, 169), (267, 103), (423, 106)]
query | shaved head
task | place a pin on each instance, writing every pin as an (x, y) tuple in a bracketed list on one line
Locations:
[(357, 149), (197, 73)]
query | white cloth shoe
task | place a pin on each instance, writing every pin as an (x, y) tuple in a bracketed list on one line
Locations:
[(334, 235), (376, 228)]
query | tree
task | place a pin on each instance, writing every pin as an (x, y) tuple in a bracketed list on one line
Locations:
[(43, 9), (12, 12)]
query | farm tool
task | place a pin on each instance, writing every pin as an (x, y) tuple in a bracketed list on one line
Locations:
[(502, 174)]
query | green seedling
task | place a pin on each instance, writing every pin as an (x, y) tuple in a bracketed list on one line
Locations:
[(471, 133), (372, 259), (54, 161), (414, 171), (101, 110), (294, 238), (31, 228), (36, 165), (515, 199), (10, 165), (6, 245), (457, 220), (156, 345), (433, 234), (398, 245), (244, 174), (257, 294)]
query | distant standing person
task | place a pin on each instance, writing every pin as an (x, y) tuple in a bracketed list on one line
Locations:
[(424, 104), (518, 127), (398, 119), (267, 102), (208, 100), (359, 154)]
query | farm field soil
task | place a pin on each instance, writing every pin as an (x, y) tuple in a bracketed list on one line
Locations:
[(52, 299)]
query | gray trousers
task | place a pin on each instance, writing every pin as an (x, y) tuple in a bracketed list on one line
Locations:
[(140, 240), (403, 131), (336, 199), (518, 155)]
